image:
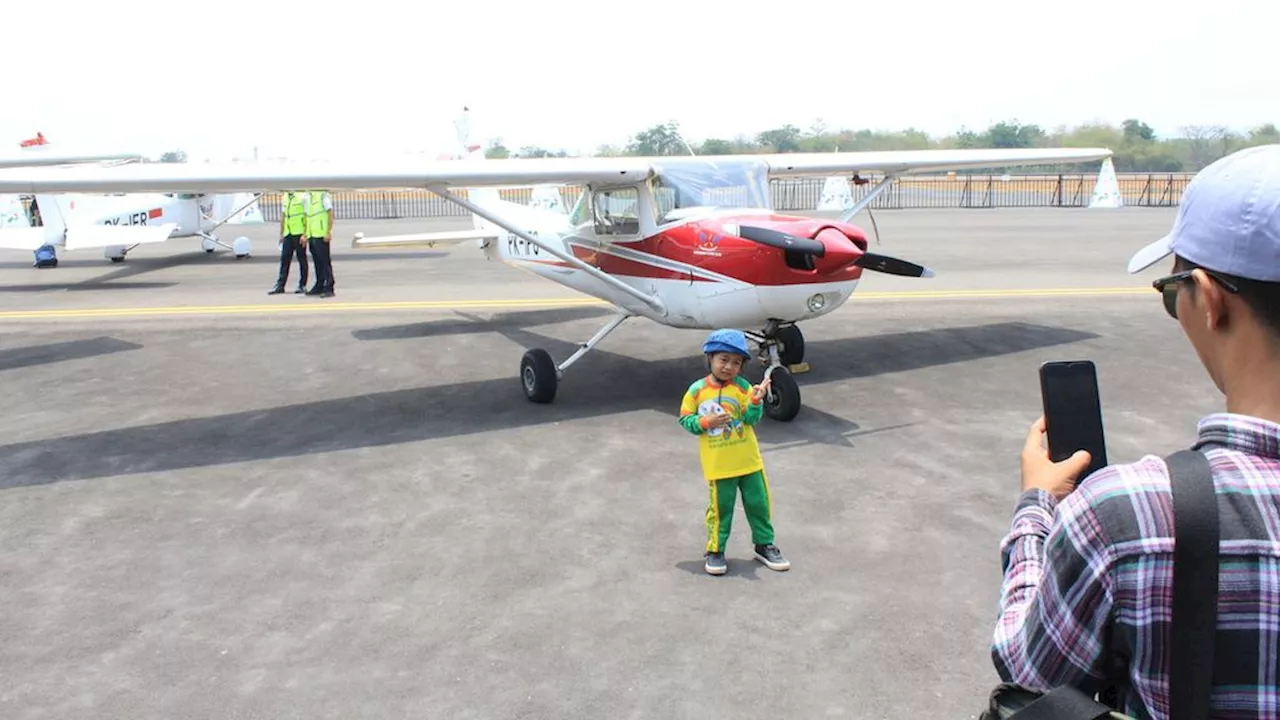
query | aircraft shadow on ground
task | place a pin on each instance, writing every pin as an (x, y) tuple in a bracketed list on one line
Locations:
[(14, 358), (467, 323), (94, 285), (602, 384)]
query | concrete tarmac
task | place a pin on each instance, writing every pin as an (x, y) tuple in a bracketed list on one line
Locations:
[(217, 504)]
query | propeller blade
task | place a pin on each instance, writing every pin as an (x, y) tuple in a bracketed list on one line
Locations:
[(891, 265), (774, 238)]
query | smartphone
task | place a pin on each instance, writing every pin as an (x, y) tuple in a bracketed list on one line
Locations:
[(1073, 411)]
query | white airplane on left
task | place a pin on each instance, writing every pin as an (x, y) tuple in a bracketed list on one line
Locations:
[(116, 223)]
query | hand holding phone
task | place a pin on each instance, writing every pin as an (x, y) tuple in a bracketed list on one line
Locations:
[(1072, 421)]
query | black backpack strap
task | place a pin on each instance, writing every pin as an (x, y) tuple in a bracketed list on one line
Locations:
[(1195, 584)]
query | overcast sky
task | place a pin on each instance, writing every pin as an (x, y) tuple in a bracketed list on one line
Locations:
[(218, 78)]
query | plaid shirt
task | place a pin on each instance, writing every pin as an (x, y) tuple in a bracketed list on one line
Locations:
[(1098, 564)]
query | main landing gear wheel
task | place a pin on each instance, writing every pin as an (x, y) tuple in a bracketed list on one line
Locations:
[(782, 402), (538, 376)]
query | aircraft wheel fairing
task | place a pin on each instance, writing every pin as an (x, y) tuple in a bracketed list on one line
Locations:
[(242, 247), (782, 402), (538, 376)]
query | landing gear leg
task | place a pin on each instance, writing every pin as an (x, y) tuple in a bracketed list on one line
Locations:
[(242, 247), (539, 375), (782, 402)]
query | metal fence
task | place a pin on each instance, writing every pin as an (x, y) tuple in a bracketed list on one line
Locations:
[(802, 194)]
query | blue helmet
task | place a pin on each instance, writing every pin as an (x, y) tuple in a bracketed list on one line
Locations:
[(732, 341)]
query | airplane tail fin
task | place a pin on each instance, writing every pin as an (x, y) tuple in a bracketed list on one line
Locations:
[(487, 198), (237, 209)]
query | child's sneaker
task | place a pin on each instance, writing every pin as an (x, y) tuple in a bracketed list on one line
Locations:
[(715, 564), (771, 556)]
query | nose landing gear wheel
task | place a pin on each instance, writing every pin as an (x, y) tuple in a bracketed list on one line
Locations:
[(792, 340), (538, 376), (782, 402)]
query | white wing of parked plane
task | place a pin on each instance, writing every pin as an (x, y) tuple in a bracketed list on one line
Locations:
[(208, 178)]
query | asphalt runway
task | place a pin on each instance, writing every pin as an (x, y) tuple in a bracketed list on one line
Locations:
[(219, 504)]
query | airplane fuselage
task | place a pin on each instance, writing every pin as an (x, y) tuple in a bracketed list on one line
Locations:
[(157, 210), (705, 276)]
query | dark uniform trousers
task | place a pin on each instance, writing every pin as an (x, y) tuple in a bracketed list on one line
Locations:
[(324, 266), (293, 245)]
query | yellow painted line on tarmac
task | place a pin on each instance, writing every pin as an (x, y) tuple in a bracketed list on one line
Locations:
[(320, 306)]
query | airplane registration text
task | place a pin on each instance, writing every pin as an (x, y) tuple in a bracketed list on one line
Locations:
[(138, 218)]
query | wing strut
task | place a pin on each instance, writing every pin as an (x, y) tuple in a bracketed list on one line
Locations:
[(868, 198), (652, 301)]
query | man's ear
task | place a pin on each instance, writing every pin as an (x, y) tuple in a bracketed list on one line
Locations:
[(1209, 300)]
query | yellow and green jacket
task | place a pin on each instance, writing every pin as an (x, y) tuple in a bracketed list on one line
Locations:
[(729, 451)]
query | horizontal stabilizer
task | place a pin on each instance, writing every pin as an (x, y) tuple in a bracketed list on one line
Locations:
[(22, 238), (101, 236), (448, 237)]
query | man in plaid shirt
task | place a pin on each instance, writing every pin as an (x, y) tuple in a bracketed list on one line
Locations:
[(1088, 568)]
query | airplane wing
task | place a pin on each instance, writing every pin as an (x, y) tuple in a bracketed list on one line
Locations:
[(208, 178), (907, 162), (40, 158)]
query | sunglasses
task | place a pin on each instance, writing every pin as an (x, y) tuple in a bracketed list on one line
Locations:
[(1167, 286)]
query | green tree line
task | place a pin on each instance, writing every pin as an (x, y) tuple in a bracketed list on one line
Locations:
[(1136, 146)]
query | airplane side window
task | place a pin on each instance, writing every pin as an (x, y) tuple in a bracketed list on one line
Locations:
[(616, 211)]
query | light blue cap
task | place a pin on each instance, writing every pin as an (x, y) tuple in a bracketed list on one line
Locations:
[(1228, 219)]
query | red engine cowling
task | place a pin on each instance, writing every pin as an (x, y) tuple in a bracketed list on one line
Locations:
[(841, 250)]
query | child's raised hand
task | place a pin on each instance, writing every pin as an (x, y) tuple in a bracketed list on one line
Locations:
[(758, 391)]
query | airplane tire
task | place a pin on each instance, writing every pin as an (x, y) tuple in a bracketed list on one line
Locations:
[(792, 340), (782, 403), (117, 259), (538, 376)]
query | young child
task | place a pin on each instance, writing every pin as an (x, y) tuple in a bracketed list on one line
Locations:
[(722, 409)]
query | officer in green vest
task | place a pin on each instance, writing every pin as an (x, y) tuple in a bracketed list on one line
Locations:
[(293, 227), (318, 206)]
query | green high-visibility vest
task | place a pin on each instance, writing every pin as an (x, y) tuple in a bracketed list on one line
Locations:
[(317, 216), (295, 220)]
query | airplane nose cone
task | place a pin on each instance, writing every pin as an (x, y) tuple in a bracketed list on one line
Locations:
[(840, 250)]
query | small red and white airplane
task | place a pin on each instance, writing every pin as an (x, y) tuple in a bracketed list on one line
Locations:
[(114, 223), (688, 242), (118, 223)]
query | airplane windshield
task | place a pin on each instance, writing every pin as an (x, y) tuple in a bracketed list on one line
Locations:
[(692, 182)]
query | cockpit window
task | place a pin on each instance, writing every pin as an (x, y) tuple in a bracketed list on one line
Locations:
[(691, 182), (616, 211)]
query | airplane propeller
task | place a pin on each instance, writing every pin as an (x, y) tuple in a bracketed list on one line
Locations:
[(774, 238), (891, 265), (867, 260)]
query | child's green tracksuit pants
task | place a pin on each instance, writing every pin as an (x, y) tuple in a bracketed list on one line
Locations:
[(755, 500)]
